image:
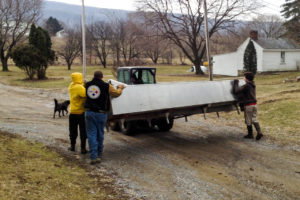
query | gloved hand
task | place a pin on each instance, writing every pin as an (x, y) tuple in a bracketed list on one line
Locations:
[(121, 87)]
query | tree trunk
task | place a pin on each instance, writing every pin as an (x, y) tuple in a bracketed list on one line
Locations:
[(4, 63), (69, 66), (104, 63), (41, 73), (198, 69)]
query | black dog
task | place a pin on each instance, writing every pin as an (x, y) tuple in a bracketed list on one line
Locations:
[(61, 107)]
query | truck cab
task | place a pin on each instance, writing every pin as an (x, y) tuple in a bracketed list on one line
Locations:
[(133, 76), (137, 75)]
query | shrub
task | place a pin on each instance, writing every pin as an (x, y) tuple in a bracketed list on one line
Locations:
[(27, 58)]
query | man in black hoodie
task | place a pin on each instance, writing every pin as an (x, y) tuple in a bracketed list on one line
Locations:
[(97, 106), (249, 100)]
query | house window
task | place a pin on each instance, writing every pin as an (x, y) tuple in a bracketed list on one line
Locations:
[(282, 57)]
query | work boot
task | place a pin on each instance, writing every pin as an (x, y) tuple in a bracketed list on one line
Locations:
[(259, 136), (96, 161), (258, 130), (71, 148), (250, 132), (83, 149)]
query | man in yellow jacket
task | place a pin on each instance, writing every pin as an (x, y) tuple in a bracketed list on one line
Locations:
[(77, 100)]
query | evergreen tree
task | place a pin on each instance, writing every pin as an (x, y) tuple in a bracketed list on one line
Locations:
[(291, 11), (40, 39), (53, 26), (250, 60)]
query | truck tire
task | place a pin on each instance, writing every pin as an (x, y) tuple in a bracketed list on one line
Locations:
[(115, 126), (163, 124), (128, 127)]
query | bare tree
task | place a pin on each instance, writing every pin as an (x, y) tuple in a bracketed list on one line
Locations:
[(182, 21), (16, 17), (126, 41), (131, 39), (117, 26), (269, 26), (182, 57), (72, 47), (101, 34), (154, 44)]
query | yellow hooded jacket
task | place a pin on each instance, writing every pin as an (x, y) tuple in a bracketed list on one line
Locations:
[(77, 94)]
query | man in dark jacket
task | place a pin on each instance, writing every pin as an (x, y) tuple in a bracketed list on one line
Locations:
[(97, 106), (248, 94)]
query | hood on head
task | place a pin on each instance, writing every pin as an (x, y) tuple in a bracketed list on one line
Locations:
[(77, 77)]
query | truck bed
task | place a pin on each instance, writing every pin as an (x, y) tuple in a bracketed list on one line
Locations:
[(176, 98)]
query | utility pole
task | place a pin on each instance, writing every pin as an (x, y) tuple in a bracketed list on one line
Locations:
[(210, 67), (83, 41)]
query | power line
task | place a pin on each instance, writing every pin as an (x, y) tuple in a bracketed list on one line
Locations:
[(266, 2)]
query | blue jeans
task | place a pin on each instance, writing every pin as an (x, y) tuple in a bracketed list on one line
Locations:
[(95, 123)]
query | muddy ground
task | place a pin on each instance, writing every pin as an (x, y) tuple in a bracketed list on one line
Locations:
[(197, 159)]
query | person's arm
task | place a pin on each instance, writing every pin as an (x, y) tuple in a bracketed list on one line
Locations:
[(237, 89), (81, 91), (115, 92)]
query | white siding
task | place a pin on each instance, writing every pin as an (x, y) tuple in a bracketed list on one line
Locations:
[(229, 64), (267, 60), (272, 60), (225, 64)]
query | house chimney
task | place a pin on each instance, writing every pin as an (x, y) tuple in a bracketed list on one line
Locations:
[(254, 35)]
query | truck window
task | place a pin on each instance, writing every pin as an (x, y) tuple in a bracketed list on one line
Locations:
[(147, 77), (126, 77), (123, 76)]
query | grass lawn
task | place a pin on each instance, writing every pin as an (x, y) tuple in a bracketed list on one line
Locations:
[(31, 171), (59, 76)]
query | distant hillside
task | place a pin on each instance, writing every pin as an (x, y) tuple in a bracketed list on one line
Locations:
[(71, 14)]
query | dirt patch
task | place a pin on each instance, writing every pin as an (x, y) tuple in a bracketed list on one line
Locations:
[(273, 101), (290, 92), (104, 178)]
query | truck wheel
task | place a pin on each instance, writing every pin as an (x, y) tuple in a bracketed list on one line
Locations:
[(163, 125), (128, 127), (115, 126)]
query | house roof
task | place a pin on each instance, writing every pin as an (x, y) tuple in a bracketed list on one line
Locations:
[(281, 43)]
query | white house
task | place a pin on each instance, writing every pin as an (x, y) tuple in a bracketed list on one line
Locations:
[(272, 55), (61, 33)]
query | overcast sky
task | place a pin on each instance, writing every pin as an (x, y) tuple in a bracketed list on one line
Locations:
[(271, 6)]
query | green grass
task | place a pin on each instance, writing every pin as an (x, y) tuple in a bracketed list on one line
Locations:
[(281, 117), (30, 171), (58, 76)]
